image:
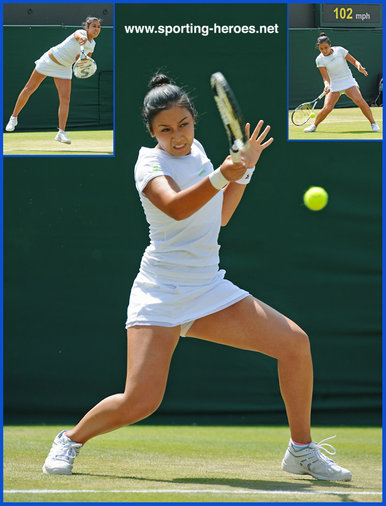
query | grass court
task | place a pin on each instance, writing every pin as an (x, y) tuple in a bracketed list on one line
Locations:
[(87, 142), (340, 124), (145, 463)]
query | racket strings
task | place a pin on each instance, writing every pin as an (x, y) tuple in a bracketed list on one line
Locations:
[(230, 115), (233, 124), (302, 114), (84, 68)]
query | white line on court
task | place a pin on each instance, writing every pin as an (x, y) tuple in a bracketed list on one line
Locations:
[(189, 491)]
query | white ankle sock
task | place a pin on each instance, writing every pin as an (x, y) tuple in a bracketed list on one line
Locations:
[(299, 446)]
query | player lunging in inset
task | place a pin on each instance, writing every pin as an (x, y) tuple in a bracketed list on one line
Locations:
[(180, 291), (338, 79), (57, 63)]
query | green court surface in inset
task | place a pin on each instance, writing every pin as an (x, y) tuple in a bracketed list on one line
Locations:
[(189, 464), (341, 124), (89, 142)]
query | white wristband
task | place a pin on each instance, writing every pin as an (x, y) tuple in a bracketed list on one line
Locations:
[(218, 180), (247, 176)]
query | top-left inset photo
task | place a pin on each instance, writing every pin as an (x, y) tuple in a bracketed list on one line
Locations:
[(58, 67)]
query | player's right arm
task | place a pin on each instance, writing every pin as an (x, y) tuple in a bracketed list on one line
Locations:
[(326, 78), (164, 192), (80, 37)]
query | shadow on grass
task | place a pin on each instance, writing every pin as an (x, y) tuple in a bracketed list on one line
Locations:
[(356, 132), (302, 483)]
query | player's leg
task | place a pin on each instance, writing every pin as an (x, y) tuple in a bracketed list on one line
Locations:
[(356, 96), (64, 91), (149, 352), (252, 325), (32, 85), (329, 103)]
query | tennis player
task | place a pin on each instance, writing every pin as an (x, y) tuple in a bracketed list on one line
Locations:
[(180, 291), (57, 63), (338, 79)]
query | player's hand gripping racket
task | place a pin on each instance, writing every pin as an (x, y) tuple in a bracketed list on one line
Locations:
[(230, 114), (302, 113), (84, 66)]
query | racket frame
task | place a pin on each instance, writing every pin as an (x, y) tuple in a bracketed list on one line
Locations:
[(83, 56), (312, 103), (230, 114)]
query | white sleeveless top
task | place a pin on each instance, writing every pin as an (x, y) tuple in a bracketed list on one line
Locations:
[(66, 51)]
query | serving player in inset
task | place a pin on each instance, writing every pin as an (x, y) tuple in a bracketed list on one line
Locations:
[(338, 79), (57, 63)]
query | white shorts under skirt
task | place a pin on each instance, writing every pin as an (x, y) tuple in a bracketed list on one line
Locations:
[(170, 304), (47, 67), (343, 85)]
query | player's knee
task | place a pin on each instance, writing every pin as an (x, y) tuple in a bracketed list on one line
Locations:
[(328, 108), (29, 89), (298, 346), (140, 404), (152, 405), (65, 100), (302, 344)]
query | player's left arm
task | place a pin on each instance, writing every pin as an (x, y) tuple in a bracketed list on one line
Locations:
[(234, 191), (356, 64)]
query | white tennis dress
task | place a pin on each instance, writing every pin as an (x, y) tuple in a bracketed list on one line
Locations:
[(338, 70), (65, 53), (179, 278)]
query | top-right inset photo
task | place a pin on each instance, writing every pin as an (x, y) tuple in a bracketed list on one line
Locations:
[(335, 88)]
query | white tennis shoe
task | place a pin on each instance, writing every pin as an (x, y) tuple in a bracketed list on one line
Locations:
[(62, 455), (312, 461), (375, 127), (311, 128), (62, 137), (11, 124)]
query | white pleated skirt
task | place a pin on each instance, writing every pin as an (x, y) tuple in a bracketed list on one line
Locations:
[(343, 85), (154, 302), (47, 67)]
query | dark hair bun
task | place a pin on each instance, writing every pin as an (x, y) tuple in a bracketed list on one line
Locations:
[(159, 80), (322, 34)]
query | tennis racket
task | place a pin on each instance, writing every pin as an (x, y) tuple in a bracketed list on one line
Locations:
[(230, 114), (302, 113), (84, 66)]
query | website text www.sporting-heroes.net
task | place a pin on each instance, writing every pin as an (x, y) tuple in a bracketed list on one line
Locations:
[(203, 30)]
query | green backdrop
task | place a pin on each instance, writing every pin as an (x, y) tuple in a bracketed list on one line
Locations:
[(305, 81), (91, 99), (75, 233)]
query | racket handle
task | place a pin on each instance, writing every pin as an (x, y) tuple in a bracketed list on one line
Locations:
[(236, 149), (236, 156)]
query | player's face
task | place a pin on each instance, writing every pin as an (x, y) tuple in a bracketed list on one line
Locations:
[(174, 130), (93, 29), (325, 49)]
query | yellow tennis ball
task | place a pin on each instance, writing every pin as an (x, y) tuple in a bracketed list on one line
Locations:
[(315, 198), (312, 115)]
